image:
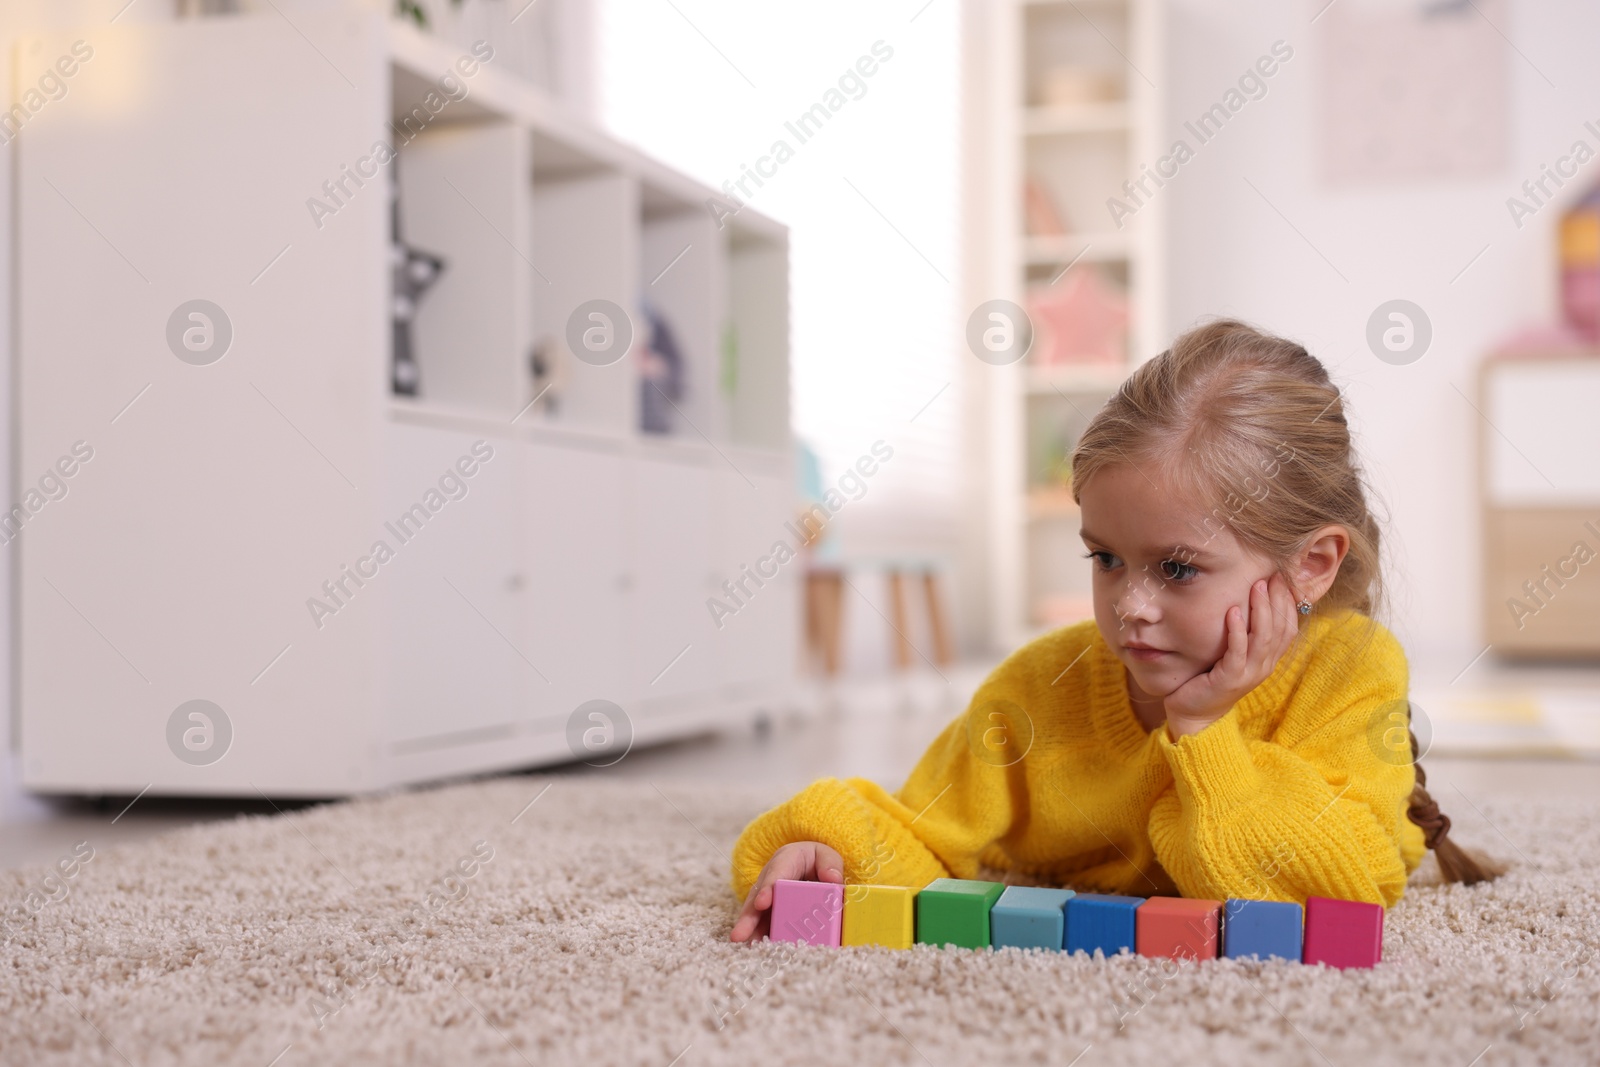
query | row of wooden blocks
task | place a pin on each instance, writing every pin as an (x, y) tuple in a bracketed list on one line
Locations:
[(973, 914)]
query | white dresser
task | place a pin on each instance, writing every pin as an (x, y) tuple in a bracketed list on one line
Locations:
[(1540, 462)]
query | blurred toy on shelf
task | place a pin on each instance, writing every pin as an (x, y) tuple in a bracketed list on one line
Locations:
[(1050, 478), (413, 272), (1043, 217), (1080, 319), (661, 373), (549, 365), (1051, 455), (1580, 266)]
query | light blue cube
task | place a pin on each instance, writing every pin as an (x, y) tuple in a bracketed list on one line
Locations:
[(1101, 921), (1263, 928), (1026, 917)]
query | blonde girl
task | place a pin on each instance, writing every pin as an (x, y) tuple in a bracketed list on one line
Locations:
[(1226, 725)]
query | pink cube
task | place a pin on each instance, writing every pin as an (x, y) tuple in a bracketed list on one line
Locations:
[(1343, 933), (809, 912)]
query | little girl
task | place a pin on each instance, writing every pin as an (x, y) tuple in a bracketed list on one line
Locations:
[(1232, 724)]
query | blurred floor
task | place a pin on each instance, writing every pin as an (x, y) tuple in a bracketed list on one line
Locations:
[(871, 727)]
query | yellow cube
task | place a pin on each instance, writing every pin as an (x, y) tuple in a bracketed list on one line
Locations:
[(879, 915)]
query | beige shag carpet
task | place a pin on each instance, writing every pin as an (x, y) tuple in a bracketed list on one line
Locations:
[(463, 926)]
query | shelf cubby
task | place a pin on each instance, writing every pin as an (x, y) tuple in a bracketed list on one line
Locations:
[(462, 199), (681, 264), (758, 336), (585, 227), (1080, 173)]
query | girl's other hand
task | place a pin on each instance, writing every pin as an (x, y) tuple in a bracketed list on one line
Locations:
[(804, 861)]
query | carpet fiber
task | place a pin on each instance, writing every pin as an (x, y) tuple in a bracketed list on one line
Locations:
[(591, 926)]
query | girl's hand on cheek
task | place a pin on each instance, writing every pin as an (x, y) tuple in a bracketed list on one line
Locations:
[(1257, 639)]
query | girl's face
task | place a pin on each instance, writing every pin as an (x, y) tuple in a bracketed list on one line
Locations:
[(1166, 571)]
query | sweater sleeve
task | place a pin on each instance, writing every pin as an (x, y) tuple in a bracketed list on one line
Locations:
[(963, 795), (1313, 812)]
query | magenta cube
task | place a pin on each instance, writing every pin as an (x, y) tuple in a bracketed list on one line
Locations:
[(809, 912), (1343, 933)]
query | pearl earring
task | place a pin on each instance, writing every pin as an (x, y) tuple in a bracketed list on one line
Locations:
[(1304, 606)]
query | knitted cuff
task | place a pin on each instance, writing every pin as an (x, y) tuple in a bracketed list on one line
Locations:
[(1212, 769), (827, 811)]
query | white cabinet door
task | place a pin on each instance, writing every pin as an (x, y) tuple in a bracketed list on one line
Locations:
[(576, 546), (229, 478), (459, 667), (1539, 441), (671, 649), (757, 645)]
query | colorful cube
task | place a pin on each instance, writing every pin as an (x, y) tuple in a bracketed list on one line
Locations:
[(955, 911), (879, 915), (1179, 928), (1101, 921), (1262, 928), (1343, 933), (808, 912), (1026, 917)]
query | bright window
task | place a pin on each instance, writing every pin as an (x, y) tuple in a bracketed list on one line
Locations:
[(871, 196)]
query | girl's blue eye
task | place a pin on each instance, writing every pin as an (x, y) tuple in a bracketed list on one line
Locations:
[(1103, 560), (1174, 571)]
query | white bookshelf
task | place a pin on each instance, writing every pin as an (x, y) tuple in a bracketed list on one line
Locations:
[(1080, 149), (577, 565)]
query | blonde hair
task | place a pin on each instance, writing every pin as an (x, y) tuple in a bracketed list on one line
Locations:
[(1252, 423)]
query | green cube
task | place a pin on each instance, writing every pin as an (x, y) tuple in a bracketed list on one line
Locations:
[(955, 911)]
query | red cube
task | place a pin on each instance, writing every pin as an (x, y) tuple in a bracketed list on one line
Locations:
[(1178, 928), (1343, 933)]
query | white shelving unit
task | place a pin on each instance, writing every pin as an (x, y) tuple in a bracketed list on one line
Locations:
[(1080, 151), (574, 564)]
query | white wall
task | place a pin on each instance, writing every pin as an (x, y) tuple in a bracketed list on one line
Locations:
[(1231, 253)]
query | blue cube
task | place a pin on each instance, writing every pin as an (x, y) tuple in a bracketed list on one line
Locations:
[(1263, 928), (1100, 921), (1026, 917)]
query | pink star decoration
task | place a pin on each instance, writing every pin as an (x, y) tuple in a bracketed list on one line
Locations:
[(1080, 319)]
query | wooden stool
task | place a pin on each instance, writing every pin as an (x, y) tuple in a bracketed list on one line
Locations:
[(825, 613), (903, 649)]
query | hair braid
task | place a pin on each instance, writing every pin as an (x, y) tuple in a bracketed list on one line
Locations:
[(1455, 862)]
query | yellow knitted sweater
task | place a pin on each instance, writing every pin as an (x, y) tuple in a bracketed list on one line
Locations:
[(1049, 775)]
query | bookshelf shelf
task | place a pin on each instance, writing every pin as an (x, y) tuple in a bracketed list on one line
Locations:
[(1058, 251), (1074, 119), (1111, 117)]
